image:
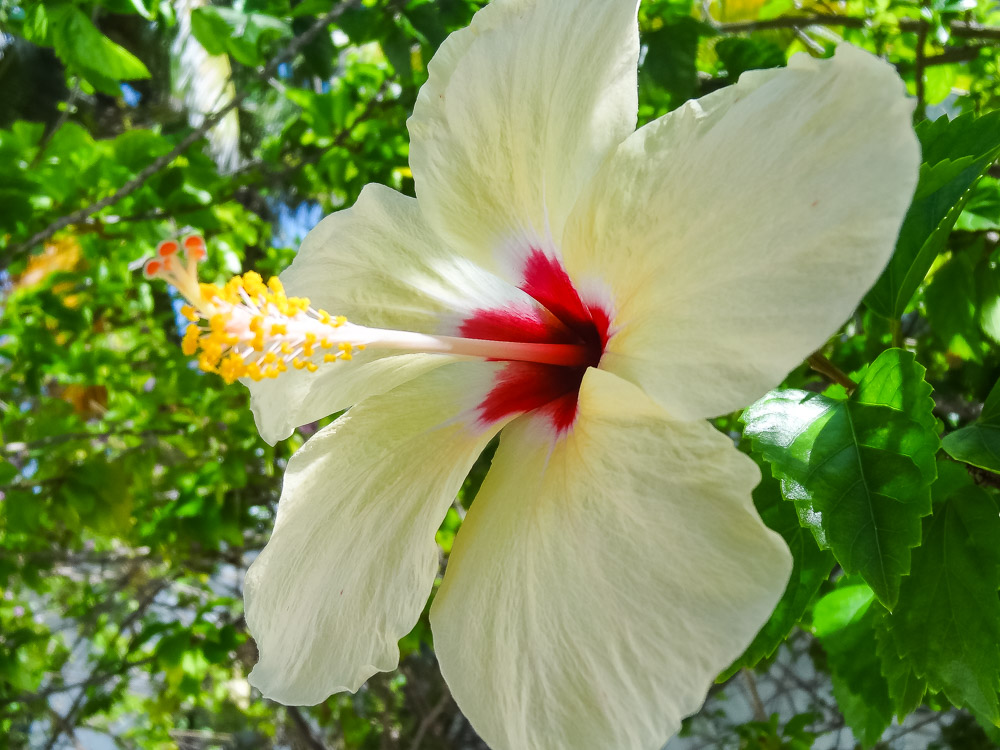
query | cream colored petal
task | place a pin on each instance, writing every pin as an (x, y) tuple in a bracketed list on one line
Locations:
[(518, 111), (598, 586), (352, 557), (736, 234), (298, 397), (379, 264)]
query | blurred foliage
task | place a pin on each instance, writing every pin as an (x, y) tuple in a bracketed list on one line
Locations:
[(134, 490)]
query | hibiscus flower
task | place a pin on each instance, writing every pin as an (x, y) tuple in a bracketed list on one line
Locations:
[(593, 293)]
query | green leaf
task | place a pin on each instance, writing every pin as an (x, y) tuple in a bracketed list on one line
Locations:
[(906, 687), (982, 211), (81, 46), (210, 29), (979, 443), (950, 299), (245, 36), (811, 567), (844, 622), (955, 155), (739, 55), (947, 622), (671, 55), (988, 295), (858, 469)]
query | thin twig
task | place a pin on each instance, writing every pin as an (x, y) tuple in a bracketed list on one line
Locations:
[(303, 729), (63, 117), (919, 112), (759, 712), (428, 721), (195, 135), (826, 368)]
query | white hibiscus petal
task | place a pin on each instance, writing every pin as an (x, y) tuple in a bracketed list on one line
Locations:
[(298, 397), (737, 233), (597, 587), (519, 110), (352, 557), (378, 264)]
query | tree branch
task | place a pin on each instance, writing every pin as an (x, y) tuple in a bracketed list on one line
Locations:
[(430, 718), (961, 29), (195, 135), (303, 729)]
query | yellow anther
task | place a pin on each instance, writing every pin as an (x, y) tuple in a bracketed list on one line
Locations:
[(274, 284), (190, 313), (231, 293), (298, 363), (346, 355), (339, 321), (312, 366), (308, 344), (330, 358), (279, 329), (254, 373), (324, 317), (190, 343), (258, 342), (217, 323), (255, 323), (232, 367), (286, 348), (270, 358), (253, 283), (210, 292), (360, 347)]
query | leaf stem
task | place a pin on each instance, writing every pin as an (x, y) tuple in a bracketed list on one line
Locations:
[(827, 369), (896, 331)]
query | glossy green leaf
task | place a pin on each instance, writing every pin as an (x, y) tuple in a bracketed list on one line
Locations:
[(858, 469), (979, 443), (947, 622), (955, 155)]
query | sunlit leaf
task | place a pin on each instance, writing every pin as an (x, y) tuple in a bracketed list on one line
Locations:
[(955, 155), (858, 469)]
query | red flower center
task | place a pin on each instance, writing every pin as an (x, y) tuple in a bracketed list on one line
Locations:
[(565, 319)]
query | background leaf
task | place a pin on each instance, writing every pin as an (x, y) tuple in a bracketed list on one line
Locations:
[(947, 622), (979, 443)]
